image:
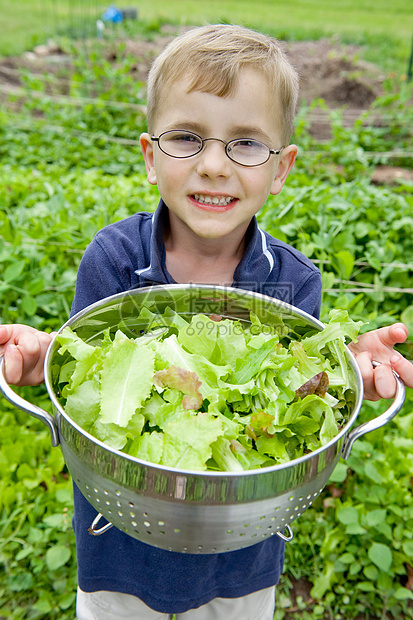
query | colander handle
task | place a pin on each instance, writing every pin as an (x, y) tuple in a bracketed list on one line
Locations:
[(288, 537), (381, 420), (98, 532), (27, 407)]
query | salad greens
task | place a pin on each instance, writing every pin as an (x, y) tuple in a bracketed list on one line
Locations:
[(208, 392)]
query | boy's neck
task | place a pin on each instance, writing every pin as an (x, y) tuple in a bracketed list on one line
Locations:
[(202, 261)]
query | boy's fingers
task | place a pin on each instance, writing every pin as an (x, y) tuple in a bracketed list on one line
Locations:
[(32, 347), (24, 360), (404, 369), (384, 381), (364, 362), (5, 334), (13, 365), (393, 334)]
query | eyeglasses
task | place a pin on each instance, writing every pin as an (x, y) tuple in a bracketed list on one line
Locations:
[(244, 151)]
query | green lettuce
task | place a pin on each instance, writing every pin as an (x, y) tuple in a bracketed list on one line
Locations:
[(208, 393)]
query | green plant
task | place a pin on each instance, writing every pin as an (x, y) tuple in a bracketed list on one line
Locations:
[(37, 554)]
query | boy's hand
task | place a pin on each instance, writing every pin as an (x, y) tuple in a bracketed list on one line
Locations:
[(24, 350), (378, 346)]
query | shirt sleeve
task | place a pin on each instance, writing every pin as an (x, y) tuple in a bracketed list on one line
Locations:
[(308, 296), (98, 277)]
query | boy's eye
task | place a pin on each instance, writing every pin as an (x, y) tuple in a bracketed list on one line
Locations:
[(180, 143), (184, 137), (247, 144)]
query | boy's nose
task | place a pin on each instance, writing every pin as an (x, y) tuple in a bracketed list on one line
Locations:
[(212, 160)]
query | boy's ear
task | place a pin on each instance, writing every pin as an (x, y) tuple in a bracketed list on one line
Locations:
[(286, 162), (147, 151)]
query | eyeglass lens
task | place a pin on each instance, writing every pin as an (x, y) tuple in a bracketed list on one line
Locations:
[(183, 144)]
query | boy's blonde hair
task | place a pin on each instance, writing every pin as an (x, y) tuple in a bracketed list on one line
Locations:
[(211, 58)]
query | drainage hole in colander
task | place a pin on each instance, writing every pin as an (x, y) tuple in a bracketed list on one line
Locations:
[(119, 504), (109, 512), (177, 530), (200, 547), (161, 523), (131, 504), (134, 524), (300, 499), (106, 492), (309, 496), (277, 508), (258, 527), (148, 532), (273, 518), (296, 508), (97, 500), (86, 485), (117, 493), (263, 518), (287, 510), (230, 531), (132, 514), (161, 532), (304, 506), (107, 503), (269, 527), (146, 524), (283, 519), (120, 513), (290, 499), (246, 525), (242, 534), (145, 514)]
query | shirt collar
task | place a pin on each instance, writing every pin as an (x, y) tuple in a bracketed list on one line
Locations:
[(258, 261), (156, 272), (253, 269)]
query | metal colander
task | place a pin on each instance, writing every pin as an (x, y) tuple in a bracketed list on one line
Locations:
[(192, 511)]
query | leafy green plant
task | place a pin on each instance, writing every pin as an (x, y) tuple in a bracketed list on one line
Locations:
[(37, 554), (357, 540)]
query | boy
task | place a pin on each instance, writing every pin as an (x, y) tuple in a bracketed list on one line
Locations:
[(221, 102)]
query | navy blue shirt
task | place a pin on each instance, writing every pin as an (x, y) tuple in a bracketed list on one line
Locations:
[(130, 254)]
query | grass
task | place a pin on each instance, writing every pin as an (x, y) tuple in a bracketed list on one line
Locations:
[(386, 37)]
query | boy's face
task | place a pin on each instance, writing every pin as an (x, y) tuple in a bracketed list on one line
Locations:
[(188, 186)]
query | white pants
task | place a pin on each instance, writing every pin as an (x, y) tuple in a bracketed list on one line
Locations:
[(116, 606)]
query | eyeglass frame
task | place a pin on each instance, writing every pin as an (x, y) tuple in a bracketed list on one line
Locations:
[(226, 145)]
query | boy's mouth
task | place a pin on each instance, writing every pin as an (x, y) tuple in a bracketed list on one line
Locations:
[(218, 201)]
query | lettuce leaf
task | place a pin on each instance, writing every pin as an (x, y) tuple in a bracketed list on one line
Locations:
[(187, 442), (126, 380)]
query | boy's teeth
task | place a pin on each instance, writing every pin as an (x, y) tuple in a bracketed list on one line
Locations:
[(213, 200)]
